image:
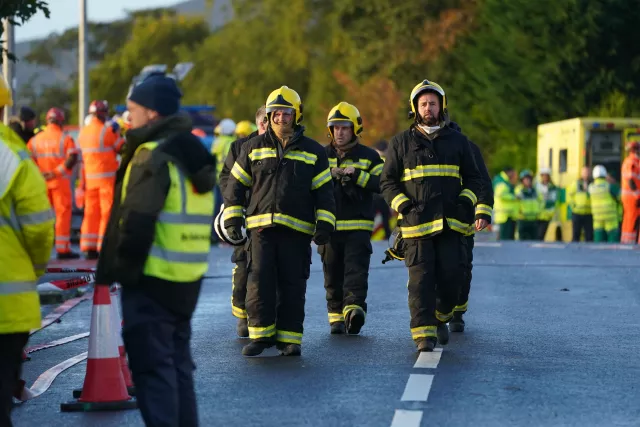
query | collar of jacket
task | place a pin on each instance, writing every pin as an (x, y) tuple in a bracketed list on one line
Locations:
[(421, 139), (298, 132), (350, 153), (154, 131)]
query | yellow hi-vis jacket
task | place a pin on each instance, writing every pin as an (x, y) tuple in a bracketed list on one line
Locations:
[(181, 245), (26, 235)]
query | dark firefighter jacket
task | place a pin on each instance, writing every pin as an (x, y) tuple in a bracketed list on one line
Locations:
[(422, 180), (354, 197), (289, 187), (131, 227)]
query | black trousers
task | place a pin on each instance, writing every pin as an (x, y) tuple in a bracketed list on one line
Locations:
[(239, 282), (279, 261), (463, 296), (11, 346), (158, 344), (580, 223), (345, 261), (507, 230), (543, 225), (441, 259)]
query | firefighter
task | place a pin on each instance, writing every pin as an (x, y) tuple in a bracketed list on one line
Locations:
[(529, 207), (580, 205), (55, 154), (100, 143), (548, 192), (239, 256), (506, 205), (483, 211), (355, 170), (631, 194), (604, 207), (244, 129), (157, 246), (422, 180), (26, 233), (291, 201)]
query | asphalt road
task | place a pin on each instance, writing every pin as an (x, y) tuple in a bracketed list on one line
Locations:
[(552, 339)]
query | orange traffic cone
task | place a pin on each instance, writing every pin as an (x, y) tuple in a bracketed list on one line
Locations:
[(117, 326), (104, 388)]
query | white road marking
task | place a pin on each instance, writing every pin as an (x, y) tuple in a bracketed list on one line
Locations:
[(417, 388), (611, 246), (549, 245), (404, 418), (429, 360), (488, 244)]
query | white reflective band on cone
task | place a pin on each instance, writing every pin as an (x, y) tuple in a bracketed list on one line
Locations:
[(102, 337), (117, 322)]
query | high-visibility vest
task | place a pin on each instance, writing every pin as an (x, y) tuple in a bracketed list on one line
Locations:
[(578, 198), (26, 235), (181, 246), (99, 144), (505, 204), (603, 205), (529, 204)]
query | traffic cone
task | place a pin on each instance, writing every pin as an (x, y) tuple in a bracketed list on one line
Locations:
[(104, 388), (117, 327)]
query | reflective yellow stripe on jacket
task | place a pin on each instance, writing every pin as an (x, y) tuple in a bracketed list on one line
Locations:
[(180, 250)]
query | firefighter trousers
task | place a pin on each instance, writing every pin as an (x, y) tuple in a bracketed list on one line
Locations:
[(239, 282), (345, 262), (463, 296), (580, 223), (441, 259), (60, 199), (97, 207), (278, 261)]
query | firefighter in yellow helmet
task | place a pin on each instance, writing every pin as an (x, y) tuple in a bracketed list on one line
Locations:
[(355, 170), (26, 233), (431, 179), (290, 203)]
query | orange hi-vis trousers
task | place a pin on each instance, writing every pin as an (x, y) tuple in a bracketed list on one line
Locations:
[(630, 217), (97, 208), (60, 199)]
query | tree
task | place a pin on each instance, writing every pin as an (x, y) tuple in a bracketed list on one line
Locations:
[(18, 12)]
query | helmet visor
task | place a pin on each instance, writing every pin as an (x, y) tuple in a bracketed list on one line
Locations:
[(345, 123)]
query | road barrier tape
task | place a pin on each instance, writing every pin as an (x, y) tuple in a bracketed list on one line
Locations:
[(65, 284), (70, 270)]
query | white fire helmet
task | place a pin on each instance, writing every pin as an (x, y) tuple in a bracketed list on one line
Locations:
[(218, 225)]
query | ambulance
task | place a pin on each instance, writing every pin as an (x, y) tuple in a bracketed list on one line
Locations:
[(566, 146)]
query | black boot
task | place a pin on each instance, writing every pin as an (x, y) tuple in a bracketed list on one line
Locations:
[(242, 329), (287, 349), (426, 344), (354, 321), (337, 328), (255, 348), (93, 254), (457, 324), (67, 255), (443, 333)]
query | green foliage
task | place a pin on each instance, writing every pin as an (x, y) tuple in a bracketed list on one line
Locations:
[(18, 12)]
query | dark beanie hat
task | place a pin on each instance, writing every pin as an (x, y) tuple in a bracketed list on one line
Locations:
[(158, 93), (27, 114)]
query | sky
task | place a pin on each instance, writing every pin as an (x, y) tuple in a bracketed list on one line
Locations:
[(66, 14)]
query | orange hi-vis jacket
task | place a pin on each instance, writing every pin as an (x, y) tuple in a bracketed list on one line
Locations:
[(50, 149), (631, 173), (100, 143)]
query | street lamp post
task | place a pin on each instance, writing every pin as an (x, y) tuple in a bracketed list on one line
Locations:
[(7, 65), (83, 73)]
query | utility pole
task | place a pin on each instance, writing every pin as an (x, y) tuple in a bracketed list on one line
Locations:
[(83, 71), (8, 66)]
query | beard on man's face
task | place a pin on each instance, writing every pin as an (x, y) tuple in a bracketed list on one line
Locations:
[(430, 120)]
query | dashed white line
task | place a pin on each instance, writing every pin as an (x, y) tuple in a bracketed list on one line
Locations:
[(489, 244), (417, 388), (404, 418), (429, 360)]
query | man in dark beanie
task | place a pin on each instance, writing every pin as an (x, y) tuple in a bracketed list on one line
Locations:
[(24, 123), (157, 246)]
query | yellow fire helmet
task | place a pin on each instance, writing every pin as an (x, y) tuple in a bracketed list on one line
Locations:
[(244, 128), (421, 87), (345, 114), (285, 98), (6, 100)]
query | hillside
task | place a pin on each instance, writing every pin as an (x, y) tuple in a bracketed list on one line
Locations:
[(38, 76)]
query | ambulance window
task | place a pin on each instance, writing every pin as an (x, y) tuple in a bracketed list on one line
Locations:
[(550, 158), (562, 166)]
